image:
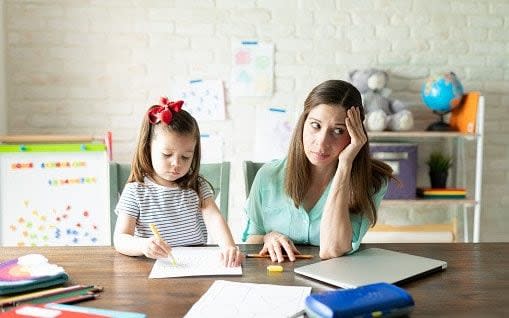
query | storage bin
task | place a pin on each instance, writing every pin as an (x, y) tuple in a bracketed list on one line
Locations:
[(402, 157)]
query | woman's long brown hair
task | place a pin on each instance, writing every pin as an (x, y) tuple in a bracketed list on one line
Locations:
[(368, 175)]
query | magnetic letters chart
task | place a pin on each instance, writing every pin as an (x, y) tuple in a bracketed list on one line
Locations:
[(54, 195)]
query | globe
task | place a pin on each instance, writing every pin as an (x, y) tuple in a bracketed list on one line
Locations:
[(441, 93)]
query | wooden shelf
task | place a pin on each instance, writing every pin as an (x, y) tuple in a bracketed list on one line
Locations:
[(48, 138), (422, 202), (419, 134)]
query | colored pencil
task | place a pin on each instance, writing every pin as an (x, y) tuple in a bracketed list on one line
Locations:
[(155, 231), (297, 256), (75, 299), (44, 293)]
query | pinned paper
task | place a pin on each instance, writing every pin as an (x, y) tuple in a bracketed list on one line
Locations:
[(211, 147), (204, 99), (273, 133), (253, 69)]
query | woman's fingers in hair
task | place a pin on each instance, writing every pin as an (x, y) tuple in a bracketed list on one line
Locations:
[(354, 126)]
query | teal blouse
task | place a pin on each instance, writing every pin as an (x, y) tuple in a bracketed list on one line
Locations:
[(268, 209)]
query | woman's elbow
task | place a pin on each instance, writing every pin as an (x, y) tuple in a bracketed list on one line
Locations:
[(333, 252)]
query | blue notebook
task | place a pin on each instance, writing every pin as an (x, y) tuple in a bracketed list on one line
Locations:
[(28, 273)]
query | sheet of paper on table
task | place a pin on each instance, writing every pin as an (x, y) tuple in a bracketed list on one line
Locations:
[(193, 261), (232, 299)]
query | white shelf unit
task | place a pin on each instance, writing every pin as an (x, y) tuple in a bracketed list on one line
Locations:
[(459, 173)]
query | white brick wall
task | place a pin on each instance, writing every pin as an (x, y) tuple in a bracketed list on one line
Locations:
[(91, 66)]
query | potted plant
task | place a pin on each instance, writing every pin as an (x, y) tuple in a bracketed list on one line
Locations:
[(439, 165)]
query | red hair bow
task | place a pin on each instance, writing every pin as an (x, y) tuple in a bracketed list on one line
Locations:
[(163, 112)]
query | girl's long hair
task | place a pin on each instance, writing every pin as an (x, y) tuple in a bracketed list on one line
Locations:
[(368, 175), (182, 123)]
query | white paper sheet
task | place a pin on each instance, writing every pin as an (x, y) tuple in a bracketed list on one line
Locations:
[(231, 299), (211, 147), (204, 99), (253, 69), (193, 261), (273, 134)]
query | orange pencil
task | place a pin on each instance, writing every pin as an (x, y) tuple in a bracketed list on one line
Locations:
[(297, 256)]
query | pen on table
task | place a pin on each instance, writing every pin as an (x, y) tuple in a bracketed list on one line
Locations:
[(75, 299), (297, 256), (74, 293), (155, 231), (41, 294)]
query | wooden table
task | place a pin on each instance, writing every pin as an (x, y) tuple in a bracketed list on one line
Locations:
[(476, 282)]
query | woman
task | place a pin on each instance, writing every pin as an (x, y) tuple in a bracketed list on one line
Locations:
[(328, 189)]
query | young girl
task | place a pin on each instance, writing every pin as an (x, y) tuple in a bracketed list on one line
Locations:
[(164, 188)]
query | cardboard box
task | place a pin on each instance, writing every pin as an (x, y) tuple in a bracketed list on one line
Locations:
[(402, 157)]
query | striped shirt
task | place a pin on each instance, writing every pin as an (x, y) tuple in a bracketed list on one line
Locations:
[(174, 211)]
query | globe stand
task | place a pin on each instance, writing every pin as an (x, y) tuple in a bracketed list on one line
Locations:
[(440, 125)]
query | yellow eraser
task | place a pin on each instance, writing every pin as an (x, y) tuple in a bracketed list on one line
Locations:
[(275, 268)]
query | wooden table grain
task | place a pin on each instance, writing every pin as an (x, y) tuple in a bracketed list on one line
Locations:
[(476, 282)]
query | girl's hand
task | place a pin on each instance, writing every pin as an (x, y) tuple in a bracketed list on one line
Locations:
[(274, 243), (231, 256), (156, 248), (357, 136)]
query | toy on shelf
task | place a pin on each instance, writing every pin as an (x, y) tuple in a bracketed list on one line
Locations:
[(382, 112)]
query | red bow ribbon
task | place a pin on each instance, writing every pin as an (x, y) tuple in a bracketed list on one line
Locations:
[(163, 112)]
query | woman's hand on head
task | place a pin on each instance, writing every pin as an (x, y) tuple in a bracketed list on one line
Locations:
[(231, 256), (156, 248), (357, 136), (274, 243)]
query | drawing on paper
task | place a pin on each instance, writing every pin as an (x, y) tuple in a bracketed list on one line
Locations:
[(204, 99), (253, 69), (193, 261)]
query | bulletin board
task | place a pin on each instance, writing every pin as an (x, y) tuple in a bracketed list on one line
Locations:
[(54, 195)]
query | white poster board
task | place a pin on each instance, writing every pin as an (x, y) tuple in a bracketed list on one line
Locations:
[(54, 198)]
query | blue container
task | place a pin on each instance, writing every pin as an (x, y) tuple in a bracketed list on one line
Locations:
[(374, 300)]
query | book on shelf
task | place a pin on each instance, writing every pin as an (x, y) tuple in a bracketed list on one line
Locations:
[(463, 117), (442, 193)]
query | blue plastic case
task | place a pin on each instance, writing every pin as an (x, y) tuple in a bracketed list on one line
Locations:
[(374, 300)]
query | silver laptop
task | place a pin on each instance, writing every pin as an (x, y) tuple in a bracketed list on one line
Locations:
[(372, 265)]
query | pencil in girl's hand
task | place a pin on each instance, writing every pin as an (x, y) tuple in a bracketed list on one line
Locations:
[(155, 231)]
